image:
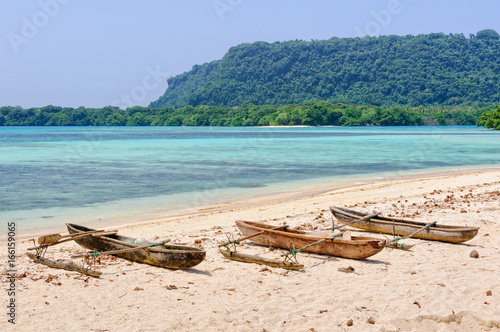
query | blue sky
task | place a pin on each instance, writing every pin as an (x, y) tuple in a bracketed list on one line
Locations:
[(120, 52)]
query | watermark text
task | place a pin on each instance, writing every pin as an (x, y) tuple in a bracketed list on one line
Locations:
[(11, 271), (32, 26), (381, 19), (138, 93), (224, 6)]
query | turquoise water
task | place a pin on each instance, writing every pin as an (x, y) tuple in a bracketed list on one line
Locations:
[(49, 175)]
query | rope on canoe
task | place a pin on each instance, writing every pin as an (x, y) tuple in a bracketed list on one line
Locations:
[(156, 244), (230, 242), (336, 235), (291, 256)]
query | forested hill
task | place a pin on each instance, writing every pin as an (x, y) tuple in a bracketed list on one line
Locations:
[(423, 70)]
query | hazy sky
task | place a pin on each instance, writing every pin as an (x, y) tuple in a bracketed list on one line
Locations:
[(95, 53)]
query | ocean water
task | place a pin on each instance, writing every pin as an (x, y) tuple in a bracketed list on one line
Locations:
[(52, 175)]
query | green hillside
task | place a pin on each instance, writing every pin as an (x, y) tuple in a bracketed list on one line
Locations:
[(423, 70)]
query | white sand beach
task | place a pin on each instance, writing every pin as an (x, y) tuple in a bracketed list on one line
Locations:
[(434, 287)]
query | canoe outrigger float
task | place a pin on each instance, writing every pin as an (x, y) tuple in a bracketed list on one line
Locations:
[(44, 242), (229, 250)]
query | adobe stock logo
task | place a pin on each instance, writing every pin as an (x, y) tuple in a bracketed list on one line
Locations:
[(381, 19), (224, 6), (151, 81), (31, 27)]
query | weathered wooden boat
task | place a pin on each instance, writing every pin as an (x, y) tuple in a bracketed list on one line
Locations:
[(401, 227), (165, 255), (356, 248)]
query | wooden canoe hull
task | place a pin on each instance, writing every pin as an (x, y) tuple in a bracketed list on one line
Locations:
[(402, 227), (168, 256), (357, 248)]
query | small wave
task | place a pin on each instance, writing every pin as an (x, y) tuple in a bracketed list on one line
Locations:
[(250, 185)]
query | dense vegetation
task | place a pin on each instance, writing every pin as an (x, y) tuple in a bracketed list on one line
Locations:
[(310, 113), (490, 119), (429, 70)]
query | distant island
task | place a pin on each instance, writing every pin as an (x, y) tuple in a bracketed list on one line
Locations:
[(425, 70), (432, 79)]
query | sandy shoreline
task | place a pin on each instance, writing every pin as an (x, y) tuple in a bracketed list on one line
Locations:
[(436, 286), (279, 197)]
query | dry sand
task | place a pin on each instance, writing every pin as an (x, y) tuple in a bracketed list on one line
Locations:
[(435, 287)]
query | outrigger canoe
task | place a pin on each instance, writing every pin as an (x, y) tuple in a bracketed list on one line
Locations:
[(356, 248), (165, 255), (402, 227)]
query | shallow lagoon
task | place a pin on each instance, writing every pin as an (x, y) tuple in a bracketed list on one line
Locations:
[(54, 174)]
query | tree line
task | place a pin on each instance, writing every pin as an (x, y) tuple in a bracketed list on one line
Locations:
[(490, 119), (311, 113)]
